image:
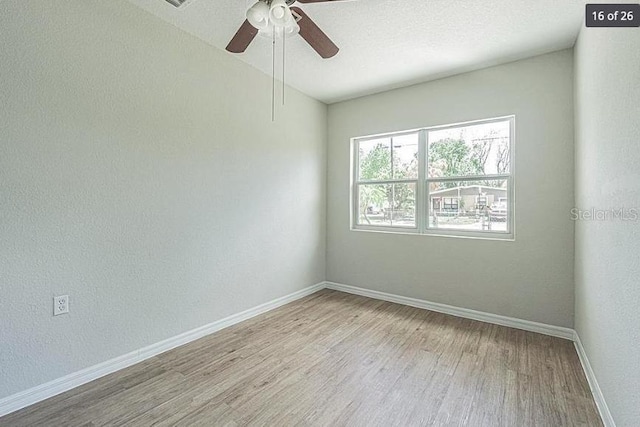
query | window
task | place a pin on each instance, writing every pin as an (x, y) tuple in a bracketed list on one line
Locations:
[(446, 180), (451, 204)]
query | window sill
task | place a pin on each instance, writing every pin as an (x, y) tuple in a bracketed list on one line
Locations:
[(503, 237)]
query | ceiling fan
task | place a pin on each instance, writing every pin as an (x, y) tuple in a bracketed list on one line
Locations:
[(272, 15)]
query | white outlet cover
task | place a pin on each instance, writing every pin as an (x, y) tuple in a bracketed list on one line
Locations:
[(60, 305)]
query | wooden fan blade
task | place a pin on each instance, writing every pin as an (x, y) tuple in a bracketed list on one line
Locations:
[(316, 38), (245, 35), (317, 1)]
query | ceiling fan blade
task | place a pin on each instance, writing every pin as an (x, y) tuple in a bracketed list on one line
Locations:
[(316, 38), (245, 35), (317, 1)]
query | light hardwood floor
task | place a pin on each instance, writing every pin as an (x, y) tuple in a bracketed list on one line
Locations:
[(339, 359)]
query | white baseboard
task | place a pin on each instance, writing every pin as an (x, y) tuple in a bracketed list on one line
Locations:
[(44, 391), (605, 414), (541, 328)]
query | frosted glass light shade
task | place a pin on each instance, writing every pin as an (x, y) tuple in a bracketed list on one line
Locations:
[(258, 15), (279, 14), (268, 32), (291, 28)]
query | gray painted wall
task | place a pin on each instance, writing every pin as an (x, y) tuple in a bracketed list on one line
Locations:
[(607, 267), (530, 278), (140, 173)]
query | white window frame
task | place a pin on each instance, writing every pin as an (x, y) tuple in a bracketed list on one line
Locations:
[(423, 206)]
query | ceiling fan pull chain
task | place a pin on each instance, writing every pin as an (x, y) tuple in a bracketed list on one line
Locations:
[(273, 78), (283, 63)]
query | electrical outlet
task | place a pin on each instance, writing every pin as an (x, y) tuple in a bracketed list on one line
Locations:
[(60, 305)]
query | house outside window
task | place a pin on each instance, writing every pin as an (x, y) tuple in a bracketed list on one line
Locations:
[(454, 180)]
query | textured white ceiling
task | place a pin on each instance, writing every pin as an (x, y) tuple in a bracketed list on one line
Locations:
[(386, 44)]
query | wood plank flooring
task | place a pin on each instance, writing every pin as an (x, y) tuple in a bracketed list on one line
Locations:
[(334, 359)]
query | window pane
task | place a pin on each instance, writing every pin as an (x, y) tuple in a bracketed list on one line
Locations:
[(405, 156), (373, 199), (403, 210), (374, 158), (469, 205), (390, 205), (470, 150)]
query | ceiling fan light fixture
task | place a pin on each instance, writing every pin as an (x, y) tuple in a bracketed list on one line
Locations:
[(291, 27), (287, 31), (258, 15), (291, 30), (279, 13)]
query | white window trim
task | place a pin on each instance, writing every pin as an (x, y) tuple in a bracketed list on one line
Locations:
[(422, 188)]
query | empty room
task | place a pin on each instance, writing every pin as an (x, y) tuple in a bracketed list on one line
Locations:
[(319, 213)]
